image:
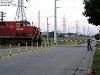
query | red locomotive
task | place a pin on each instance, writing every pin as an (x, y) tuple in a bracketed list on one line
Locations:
[(19, 31)]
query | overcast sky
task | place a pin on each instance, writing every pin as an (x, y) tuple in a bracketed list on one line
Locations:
[(72, 9)]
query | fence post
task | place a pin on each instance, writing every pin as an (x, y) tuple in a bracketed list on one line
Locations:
[(18, 48), (41, 45), (10, 51), (48, 44), (45, 45), (56, 44), (32, 46), (37, 46), (26, 48), (0, 52), (51, 43)]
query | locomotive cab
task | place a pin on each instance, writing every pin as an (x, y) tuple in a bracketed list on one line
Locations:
[(23, 29)]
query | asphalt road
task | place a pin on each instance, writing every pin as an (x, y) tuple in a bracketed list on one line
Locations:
[(61, 60)]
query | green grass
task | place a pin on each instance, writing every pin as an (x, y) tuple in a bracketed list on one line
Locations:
[(96, 60)]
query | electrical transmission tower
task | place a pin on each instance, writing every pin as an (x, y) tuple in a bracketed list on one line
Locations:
[(64, 24), (83, 30), (77, 28), (20, 12)]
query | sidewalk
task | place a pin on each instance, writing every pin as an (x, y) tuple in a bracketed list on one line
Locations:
[(90, 70)]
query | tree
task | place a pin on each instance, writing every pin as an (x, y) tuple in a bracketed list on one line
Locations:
[(97, 36), (51, 34), (92, 11)]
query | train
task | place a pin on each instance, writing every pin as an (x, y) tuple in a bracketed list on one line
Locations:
[(14, 32)]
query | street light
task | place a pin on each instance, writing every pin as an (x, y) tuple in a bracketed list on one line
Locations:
[(55, 23)]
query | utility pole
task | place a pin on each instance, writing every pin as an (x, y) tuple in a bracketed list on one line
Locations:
[(64, 24), (38, 19), (2, 16), (55, 22)]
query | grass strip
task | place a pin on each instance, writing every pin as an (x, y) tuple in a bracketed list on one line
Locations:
[(96, 61)]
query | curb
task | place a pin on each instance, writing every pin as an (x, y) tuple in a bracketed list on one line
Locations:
[(90, 70)]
